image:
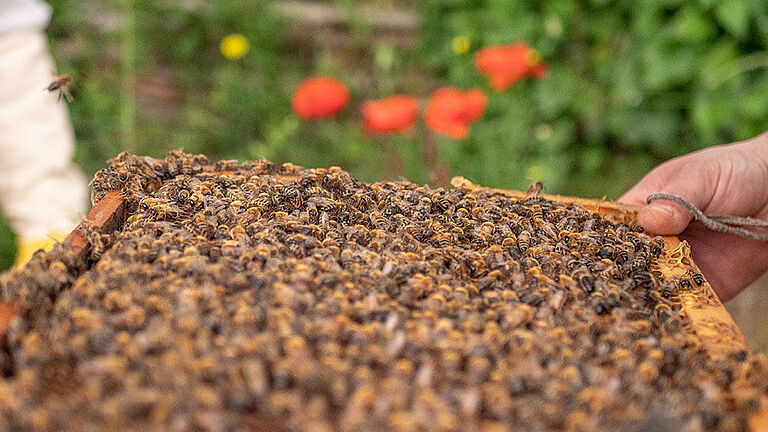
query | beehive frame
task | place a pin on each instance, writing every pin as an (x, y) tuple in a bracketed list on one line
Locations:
[(711, 323)]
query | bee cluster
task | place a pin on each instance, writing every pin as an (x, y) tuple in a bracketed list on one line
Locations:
[(258, 296)]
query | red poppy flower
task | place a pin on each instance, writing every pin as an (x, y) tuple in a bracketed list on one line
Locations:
[(319, 97), (506, 64), (450, 111), (389, 115)]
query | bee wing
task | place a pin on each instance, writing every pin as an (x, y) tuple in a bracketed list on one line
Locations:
[(67, 94)]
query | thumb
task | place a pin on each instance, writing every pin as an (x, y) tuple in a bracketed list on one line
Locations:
[(681, 177)]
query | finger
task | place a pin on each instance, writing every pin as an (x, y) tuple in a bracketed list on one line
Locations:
[(683, 177)]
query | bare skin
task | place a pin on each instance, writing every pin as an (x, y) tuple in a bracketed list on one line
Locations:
[(723, 180)]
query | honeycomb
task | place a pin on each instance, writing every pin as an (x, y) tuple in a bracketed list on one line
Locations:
[(256, 296)]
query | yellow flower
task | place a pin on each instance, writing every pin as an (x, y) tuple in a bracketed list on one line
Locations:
[(460, 44), (234, 46)]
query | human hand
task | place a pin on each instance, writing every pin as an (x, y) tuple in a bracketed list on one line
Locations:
[(723, 180)]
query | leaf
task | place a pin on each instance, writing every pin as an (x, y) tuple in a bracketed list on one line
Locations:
[(709, 113), (734, 16), (554, 94), (641, 128), (667, 65), (691, 25), (753, 102)]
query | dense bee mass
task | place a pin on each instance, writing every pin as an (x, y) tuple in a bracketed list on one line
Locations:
[(262, 297)]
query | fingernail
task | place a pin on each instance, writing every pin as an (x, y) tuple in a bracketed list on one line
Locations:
[(666, 211)]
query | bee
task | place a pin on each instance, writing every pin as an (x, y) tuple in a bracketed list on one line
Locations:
[(491, 298), (696, 277), (441, 203), (665, 317), (523, 241), (536, 213), (509, 242), (656, 246), (638, 264), (535, 189), (61, 84), (442, 240), (600, 304), (647, 371), (606, 252), (478, 213), (359, 234), (316, 191), (622, 255), (667, 289), (263, 202), (643, 280), (222, 165), (361, 200), (312, 212), (546, 228)]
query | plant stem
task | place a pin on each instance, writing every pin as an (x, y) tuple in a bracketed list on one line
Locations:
[(745, 64), (128, 76)]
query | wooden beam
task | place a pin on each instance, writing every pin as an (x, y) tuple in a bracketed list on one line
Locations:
[(324, 14), (108, 214)]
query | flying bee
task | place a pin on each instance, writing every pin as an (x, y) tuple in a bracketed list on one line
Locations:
[(61, 83)]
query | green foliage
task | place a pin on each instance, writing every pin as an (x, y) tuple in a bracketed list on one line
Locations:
[(630, 84), (7, 244)]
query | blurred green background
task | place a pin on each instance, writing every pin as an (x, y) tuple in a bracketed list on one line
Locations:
[(630, 84)]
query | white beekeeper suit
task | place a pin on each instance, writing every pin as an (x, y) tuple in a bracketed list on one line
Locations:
[(42, 193)]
